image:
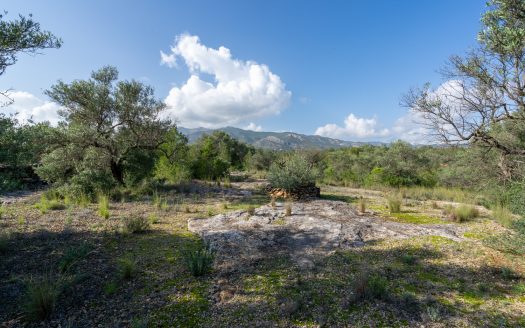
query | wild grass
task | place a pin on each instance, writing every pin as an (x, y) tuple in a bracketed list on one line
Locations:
[(288, 209), (103, 206), (251, 210), (41, 297), (367, 286), (439, 193), (71, 256), (394, 202), (45, 204), (153, 218), (503, 215), (127, 267), (199, 261), (4, 242), (361, 205), (461, 213), (136, 224)]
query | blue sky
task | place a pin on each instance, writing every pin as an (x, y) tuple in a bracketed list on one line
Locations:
[(303, 66)]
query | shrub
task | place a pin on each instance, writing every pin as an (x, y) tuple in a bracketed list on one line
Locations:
[(199, 261), (136, 224), (41, 296), (292, 172), (103, 206), (394, 203), (127, 267), (71, 256)]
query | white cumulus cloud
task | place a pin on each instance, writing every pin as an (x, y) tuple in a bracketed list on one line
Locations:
[(254, 127), (240, 90), (354, 127), (407, 127), (31, 108)]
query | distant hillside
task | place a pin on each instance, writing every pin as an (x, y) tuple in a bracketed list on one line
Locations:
[(275, 140)]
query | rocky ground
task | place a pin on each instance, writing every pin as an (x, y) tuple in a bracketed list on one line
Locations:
[(325, 265), (313, 229)]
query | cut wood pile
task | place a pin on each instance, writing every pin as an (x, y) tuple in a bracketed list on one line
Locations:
[(309, 192)]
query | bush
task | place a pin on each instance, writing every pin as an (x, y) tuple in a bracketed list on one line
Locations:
[(136, 224), (199, 261), (292, 172), (41, 296), (394, 203)]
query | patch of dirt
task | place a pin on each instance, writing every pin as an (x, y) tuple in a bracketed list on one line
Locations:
[(314, 228)]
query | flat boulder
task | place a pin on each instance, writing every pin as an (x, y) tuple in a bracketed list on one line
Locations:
[(315, 228)]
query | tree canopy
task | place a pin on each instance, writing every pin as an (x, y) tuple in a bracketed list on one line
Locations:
[(111, 129), (483, 101)]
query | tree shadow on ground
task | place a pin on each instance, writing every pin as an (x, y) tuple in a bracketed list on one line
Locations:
[(401, 285)]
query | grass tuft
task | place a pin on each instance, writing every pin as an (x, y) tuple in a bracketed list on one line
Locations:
[(41, 297), (361, 205), (127, 267), (103, 206), (71, 256), (199, 261), (394, 203), (136, 224)]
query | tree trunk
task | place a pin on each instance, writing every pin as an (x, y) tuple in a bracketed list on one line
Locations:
[(117, 172)]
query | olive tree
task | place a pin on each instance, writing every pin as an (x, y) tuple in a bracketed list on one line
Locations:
[(111, 129), (483, 100), (22, 35)]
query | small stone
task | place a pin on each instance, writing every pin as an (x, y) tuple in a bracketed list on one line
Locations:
[(226, 295)]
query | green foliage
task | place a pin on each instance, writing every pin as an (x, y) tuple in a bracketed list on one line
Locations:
[(136, 224), (110, 136), (173, 164), (213, 155), (199, 261), (513, 196), (22, 36), (41, 297), (103, 206), (291, 172), (21, 147)]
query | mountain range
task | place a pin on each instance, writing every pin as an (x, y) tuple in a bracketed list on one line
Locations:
[(275, 140)]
